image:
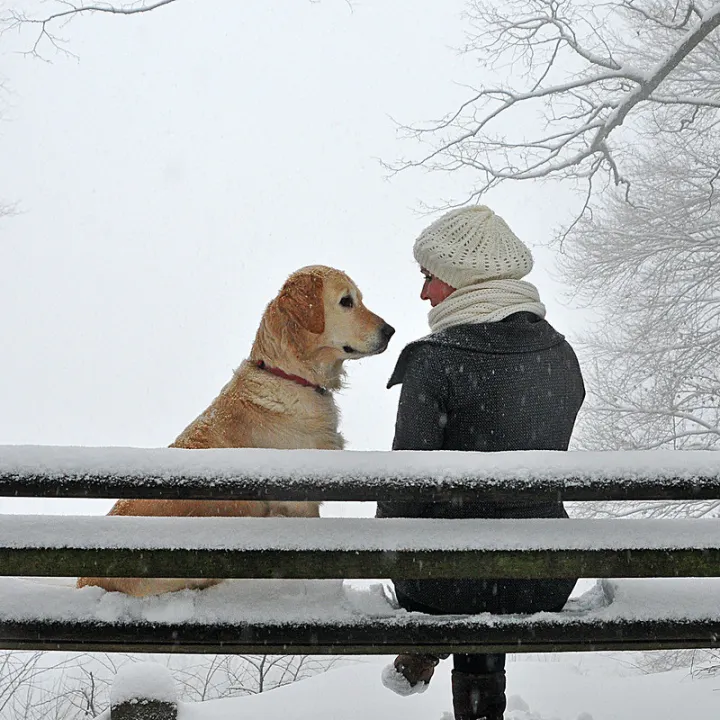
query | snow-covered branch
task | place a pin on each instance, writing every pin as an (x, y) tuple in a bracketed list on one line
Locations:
[(584, 70), (46, 23), (644, 90), (650, 269)]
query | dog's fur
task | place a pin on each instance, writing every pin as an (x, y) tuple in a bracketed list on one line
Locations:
[(305, 331)]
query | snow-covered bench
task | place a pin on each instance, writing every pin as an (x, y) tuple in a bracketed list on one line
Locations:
[(284, 593)]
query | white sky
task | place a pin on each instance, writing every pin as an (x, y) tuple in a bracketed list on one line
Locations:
[(174, 175)]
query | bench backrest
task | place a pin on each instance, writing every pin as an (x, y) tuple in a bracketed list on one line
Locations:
[(353, 548)]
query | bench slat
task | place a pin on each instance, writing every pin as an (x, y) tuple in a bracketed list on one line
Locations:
[(260, 474), (359, 564), (334, 617), (379, 636), (356, 548)]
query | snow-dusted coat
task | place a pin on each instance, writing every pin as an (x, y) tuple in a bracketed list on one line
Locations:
[(509, 385)]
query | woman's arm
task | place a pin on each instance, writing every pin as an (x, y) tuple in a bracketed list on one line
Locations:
[(422, 410), (420, 423)]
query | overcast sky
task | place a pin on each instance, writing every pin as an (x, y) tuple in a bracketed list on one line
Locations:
[(173, 175)]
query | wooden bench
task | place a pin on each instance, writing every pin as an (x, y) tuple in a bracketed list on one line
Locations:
[(296, 601), (307, 615)]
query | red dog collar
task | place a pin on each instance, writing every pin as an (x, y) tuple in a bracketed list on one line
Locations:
[(295, 378)]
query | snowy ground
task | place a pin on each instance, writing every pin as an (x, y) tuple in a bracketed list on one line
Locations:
[(559, 687)]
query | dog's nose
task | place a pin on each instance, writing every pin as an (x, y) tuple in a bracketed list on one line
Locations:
[(387, 330)]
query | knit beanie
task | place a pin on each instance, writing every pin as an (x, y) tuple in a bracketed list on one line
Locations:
[(471, 245)]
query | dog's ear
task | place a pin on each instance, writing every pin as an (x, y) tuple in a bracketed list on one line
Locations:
[(301, 299)]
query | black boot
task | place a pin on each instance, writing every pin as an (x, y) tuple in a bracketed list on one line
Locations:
[(417, 670), (478, 696), (416, 667)]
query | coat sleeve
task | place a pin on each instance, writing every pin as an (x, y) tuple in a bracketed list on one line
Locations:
[(422, 410)]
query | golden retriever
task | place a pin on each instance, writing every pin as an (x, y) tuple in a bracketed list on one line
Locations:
[(280, 397)]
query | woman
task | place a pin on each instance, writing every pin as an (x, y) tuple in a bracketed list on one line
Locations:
[(493, 375)]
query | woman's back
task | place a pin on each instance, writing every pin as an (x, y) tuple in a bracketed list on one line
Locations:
[(510, 385)]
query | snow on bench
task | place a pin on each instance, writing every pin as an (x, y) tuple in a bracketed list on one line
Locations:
[(332, 616), (71, 472), (356, 548), (143, 681)]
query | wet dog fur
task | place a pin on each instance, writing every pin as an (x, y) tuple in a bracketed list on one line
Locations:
[(316, 323)]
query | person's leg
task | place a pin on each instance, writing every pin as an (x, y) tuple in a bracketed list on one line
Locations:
[(478, 687), (490, 663), (416, 669)]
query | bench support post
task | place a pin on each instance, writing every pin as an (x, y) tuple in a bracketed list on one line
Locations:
[(144, 710)]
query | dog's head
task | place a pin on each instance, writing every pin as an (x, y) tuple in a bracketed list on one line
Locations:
[(319, 318)]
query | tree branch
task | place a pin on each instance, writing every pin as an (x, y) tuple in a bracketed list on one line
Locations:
[(584, 84), (709, 22), (16, 20)]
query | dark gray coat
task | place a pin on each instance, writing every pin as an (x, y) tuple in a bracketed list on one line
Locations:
[(509, 385)]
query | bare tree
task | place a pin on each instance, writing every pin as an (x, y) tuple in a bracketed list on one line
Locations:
[(626, 91), (203, 678), (6, 208), (17, 670), (23, 683), (567, 86), (710, 664), (46, 23), (699, 663), (262, 672), (651, 269), (34, 686)]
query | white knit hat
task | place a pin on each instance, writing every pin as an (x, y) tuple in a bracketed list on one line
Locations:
[(470, 245)]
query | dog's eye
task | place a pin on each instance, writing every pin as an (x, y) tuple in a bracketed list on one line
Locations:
[(347, 301)]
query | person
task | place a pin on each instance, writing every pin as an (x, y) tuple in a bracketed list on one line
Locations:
[(492, 375)]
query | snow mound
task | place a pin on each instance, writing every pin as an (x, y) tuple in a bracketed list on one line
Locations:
[(582, 686), (516, 703), (143, 681), (518, 709)]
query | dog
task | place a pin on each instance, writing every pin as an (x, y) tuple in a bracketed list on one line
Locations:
[(280, 397)]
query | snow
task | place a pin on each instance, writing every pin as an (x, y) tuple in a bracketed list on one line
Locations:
[(143, 681), (354, 534), (587, 687), (232, 602), (58, 469), (399, 684), (334, 602), (711, 13)]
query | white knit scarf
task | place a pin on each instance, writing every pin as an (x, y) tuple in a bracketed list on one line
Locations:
[(483, 302)]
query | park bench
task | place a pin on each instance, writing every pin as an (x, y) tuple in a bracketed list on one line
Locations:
[(658, 587)]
